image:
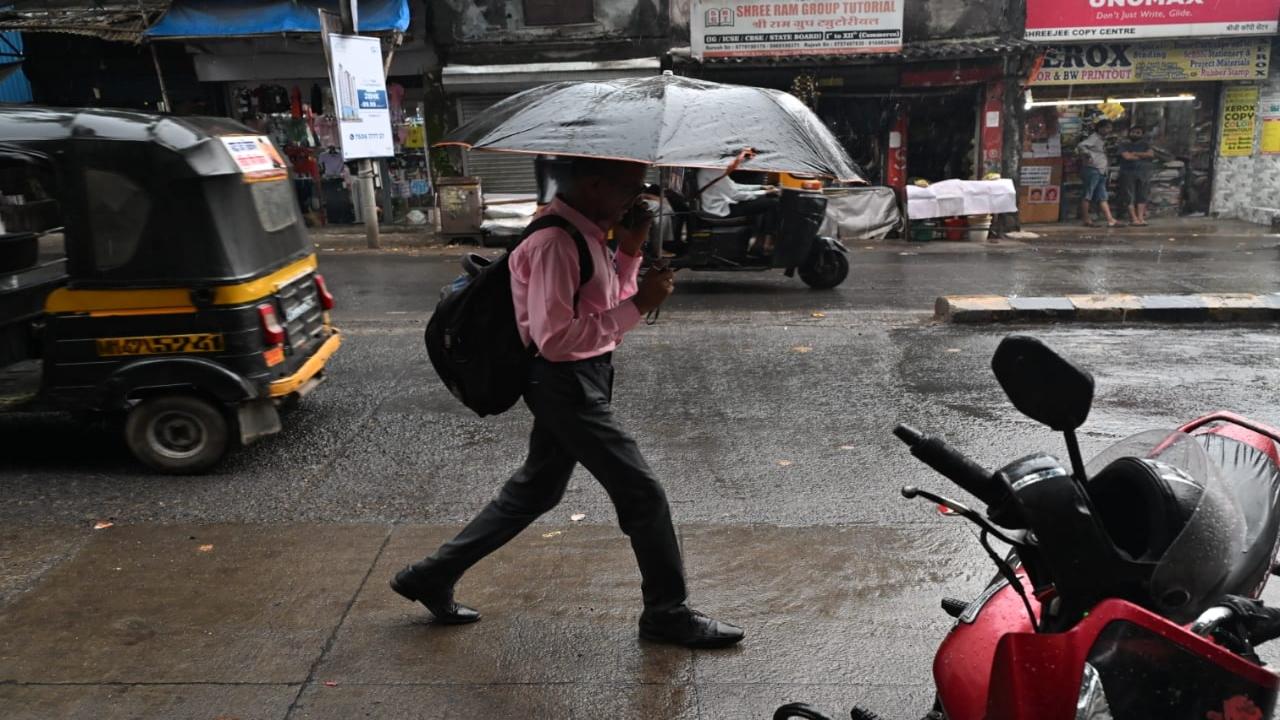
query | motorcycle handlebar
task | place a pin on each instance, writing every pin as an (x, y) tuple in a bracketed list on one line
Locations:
[(951, 463)]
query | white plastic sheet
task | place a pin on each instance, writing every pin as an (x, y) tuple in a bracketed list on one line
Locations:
[(949, 198)]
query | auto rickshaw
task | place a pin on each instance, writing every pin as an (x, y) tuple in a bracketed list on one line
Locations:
[(187, 304), (694, 240)]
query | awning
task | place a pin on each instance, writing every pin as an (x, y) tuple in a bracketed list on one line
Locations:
[(510, 78), (190, 19), (125, 20)]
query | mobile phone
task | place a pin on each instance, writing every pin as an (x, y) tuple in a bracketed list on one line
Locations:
[(643, 210)]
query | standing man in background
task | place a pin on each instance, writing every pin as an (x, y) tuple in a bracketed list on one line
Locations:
[(1093, 173), (1136, 163)]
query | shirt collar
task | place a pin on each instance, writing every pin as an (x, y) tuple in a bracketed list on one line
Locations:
[(589, 229)]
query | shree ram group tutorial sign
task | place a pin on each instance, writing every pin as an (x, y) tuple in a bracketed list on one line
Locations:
[(1078, 20), (756, 28)]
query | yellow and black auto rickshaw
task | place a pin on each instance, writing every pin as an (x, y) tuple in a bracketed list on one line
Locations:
[(187, 302)]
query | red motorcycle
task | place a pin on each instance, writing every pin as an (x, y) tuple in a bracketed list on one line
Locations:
[(1130, 589)]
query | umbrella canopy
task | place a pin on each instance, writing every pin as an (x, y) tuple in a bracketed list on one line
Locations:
[(664, 120)]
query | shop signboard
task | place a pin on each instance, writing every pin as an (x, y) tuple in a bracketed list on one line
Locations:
[(1175, 61), (255, 156), (1239, 111), (360, 96), (1269, 116), (1058, 21), (763, 28)]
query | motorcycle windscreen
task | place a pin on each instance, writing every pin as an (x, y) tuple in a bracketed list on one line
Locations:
[(1133, 673), (1194, 570)]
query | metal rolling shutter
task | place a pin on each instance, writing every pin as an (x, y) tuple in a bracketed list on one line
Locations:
[(498, 172)]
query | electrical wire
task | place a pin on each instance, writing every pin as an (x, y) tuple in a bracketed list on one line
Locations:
[(1008, 574)]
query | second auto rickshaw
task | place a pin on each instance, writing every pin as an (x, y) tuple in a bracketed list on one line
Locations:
[(188, 303)]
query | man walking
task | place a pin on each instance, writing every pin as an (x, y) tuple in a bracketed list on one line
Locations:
[(1093, 173), (1136, 162), (570, 391)]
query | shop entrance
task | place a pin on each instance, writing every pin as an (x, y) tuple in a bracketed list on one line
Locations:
[(1180, 124), (942, 135), (860, 122)]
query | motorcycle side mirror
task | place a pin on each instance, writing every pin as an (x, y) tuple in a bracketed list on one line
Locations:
[(1042, 384), (1045, 387)]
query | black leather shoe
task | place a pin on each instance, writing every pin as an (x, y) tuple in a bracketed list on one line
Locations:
[(689, 628), (437, 598)]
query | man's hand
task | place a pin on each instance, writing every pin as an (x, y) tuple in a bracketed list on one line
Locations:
[(655, 288), (772, 190), (631, 241)]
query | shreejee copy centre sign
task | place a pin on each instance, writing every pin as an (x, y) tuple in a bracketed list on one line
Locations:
[(1080, 20)]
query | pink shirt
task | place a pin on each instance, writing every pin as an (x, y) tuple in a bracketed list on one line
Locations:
[(544, 276)]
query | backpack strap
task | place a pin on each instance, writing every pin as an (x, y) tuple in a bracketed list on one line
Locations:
[(586, 266)]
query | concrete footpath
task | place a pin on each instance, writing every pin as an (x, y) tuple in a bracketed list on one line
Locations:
[(296, 621), (1111, 307)]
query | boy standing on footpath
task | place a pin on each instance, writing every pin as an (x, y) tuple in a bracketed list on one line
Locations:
[(1093, 173), (570, 391)]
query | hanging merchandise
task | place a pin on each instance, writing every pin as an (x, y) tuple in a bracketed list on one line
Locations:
[(395, 98), (317, 99), (327, 131), (415, 137), (295, 102)]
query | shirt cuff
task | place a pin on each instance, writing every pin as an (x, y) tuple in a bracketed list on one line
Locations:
[(626, 316), (628, 264)]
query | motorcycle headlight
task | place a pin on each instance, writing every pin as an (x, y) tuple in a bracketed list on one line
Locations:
[(1092, 703)]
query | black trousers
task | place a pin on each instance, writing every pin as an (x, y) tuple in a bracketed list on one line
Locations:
[(574, 423), (767, 207)]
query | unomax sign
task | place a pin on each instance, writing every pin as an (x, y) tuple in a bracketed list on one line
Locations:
[(1080, 20), (1175, 61)]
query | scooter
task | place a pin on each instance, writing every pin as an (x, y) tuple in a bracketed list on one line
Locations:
[(1130, 589)]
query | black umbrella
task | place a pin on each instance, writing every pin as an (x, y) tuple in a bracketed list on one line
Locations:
[(663, 120)]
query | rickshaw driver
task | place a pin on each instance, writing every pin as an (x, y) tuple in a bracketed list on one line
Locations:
[(722, 197)]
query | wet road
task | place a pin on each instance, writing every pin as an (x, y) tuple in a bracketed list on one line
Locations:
[(905, 277), (766, 408), (751, 408)]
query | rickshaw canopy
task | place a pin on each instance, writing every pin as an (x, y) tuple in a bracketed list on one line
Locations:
[(150, 200)]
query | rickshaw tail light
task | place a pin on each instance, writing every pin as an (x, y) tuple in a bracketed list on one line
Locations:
[(326, 297), (271, 330)]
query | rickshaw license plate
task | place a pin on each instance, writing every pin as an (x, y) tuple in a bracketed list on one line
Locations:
[(160, 345)]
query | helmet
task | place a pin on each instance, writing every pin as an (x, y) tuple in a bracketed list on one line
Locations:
[(1170, 520), (1155, 525)]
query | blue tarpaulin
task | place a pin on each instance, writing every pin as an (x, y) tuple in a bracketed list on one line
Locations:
[(244, 18), (14, 86)]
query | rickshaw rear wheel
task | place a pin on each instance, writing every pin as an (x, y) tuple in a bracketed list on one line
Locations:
[(827, 271), (178, 434)]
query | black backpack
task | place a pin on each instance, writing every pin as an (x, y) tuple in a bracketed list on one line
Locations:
[(472, 338)]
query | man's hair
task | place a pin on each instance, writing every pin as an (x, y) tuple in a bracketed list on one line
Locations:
[(1104, 125), (584, 167)]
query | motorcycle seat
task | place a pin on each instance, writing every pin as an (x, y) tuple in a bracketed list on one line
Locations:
[(1253, 477)]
